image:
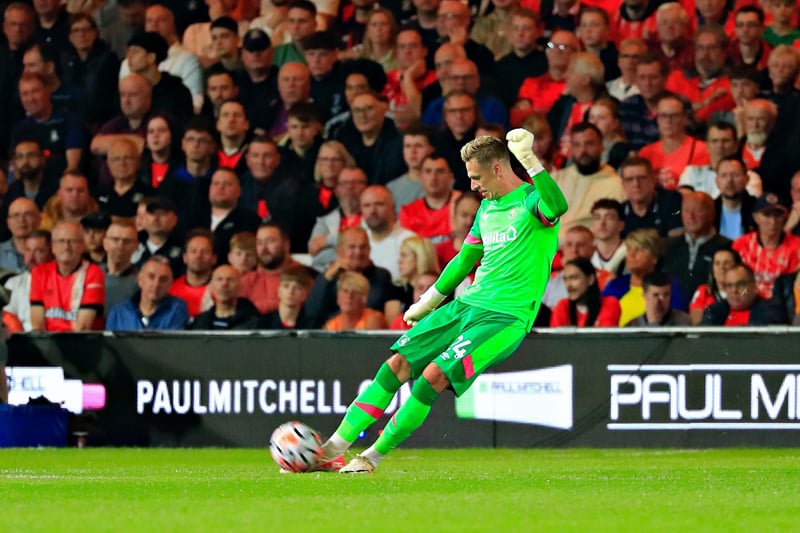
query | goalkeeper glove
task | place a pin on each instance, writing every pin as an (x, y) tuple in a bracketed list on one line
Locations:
[(520, 143), (428, 301)]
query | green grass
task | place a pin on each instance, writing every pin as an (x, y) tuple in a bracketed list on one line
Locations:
[(413, 490)]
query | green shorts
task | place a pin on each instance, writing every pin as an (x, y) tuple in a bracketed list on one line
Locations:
[(462, 340)]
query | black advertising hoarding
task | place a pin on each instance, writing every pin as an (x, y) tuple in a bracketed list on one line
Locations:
[(614, 388)]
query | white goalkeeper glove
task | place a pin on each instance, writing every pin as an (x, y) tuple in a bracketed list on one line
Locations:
[(428, 301), (520, 143)]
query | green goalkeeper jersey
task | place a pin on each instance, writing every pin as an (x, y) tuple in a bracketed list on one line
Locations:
[(519, 244)]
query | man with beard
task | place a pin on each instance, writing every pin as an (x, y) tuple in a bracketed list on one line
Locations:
[(760, 116), (385, 234), (587, 179), (199, 258), (31, 180), (261, 285)]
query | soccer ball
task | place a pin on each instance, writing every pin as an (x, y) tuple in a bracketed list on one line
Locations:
[(295, 446)]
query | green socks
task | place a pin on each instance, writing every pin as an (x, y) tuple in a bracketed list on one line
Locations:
[(369, 405), (410, 416)]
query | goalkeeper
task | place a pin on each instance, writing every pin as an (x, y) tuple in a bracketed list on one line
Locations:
[(515, 236)]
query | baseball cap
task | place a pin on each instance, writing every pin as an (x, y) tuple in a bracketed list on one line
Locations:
[(227, 23), (96, 220), (161, 203), (152, 42), (769, 202), (256, 40)]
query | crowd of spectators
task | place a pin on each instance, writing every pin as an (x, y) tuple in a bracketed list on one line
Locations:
[(295, 163)]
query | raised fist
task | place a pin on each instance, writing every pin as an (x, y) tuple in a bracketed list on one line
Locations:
[(520, 143)]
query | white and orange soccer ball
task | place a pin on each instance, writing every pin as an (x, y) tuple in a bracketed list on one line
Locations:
[(295, 446)]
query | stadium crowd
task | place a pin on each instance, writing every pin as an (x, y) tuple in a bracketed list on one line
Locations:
[(295, 164)]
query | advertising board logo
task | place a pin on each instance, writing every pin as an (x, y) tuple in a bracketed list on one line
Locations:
[(704, 396), (538, 397), (26, 383)]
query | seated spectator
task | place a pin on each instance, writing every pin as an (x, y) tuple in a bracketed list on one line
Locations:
[(332, 158), (584, 306), (71, 203), (420, 283), (646, 205), (135, 99), (160, 234), (256, 84), (351, 297), (119, 244), (68, 293), (322, 246), (57, 130), (226, 43), (320, 50), (151, 307), (30, 179), (461, 121), (197, 147), (491, 29), (539, 93), (783, 67), (631, 50), (146, 51), (294, 87), (385, 234), (361, 76), (417, 143), (675, 149), (273, 247), (638, 112), (430, 216), (688, 257), (769, 251), (373, 140), (745, 86), (584, 84), (706, 85), (587, 179), (121, 198), (658, 309), (742, 305), (604, 114), (302, 142), (749, 48), (734, 206), (225, 218), (229, 311), (644, 250), (242, 255), (525, 58), (417, 254), (594, 31), (793, 219), (453, 24), (94, 227), (673, 42), (720, 142), (197, 37), (578, 242), (199, 258), (711, 292), (220, 88), (760, 117), (295, 282), (608, 223), (23, 219), (160, 162), (17, 313), (232, 127), (464, 211), (352, 255), (301, 22), (404, 84), (275, 195)]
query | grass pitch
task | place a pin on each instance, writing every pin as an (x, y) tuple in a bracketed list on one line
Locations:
[(413, 490)]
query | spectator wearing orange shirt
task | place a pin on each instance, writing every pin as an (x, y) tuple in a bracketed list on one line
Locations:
[(635, 19), (351, 297), (538, 94), (707, 86), (68, 293), (430, 216), (769, 251), (584, 306), (675, 149), (200, 260), (272, 249)]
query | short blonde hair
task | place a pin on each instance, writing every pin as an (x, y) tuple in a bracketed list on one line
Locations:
[(425, 254), (355, 281), (644, 239)]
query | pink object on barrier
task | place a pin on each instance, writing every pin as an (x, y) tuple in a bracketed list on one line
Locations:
[(94, 396)]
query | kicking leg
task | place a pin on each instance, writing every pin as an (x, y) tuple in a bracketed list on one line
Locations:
[(407, 419), (369, 405)]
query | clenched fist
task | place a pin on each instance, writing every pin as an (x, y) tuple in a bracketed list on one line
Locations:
[(520, 143)]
